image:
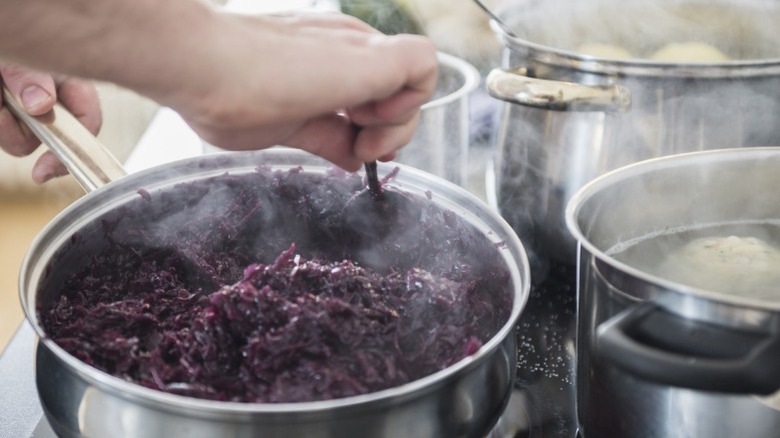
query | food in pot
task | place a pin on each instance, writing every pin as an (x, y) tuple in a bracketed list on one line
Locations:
[(732, 264), (604, 51), (248, 288), (735, 264), (691, 51)]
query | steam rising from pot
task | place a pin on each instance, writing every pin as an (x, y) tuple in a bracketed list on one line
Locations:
[(742, 30)]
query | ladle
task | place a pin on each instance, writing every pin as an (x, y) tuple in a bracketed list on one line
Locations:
[(494, 17), (375, 213)]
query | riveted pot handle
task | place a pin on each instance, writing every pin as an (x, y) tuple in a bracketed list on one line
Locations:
[(516, 86), (650, 342)]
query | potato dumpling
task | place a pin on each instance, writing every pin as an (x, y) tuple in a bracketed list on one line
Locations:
[(689, 52), (745, 266), (604, 51)]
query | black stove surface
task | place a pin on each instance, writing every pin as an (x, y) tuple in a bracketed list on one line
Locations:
[(542, 403)]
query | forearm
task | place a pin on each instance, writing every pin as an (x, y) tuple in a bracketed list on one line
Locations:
[(135, 43)]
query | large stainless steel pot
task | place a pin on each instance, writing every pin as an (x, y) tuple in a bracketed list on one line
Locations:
[(464, 399), (657, 358), (572, 116)]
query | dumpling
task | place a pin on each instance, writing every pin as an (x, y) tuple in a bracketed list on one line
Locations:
[(689, 52), (604, 51), (745, 266)]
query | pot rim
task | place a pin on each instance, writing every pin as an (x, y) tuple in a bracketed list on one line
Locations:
[(409, 178), (616, 176), (468, 73), (631, 66)]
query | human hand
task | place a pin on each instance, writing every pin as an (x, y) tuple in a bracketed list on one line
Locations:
[(37, 92), (326, 83)]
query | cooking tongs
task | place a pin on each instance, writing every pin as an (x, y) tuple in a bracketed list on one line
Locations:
[(86, 158)]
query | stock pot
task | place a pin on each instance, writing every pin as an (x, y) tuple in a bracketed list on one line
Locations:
[(570, 116), (665, 358)]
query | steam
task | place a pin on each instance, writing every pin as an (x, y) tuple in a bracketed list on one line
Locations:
[(740, 29)]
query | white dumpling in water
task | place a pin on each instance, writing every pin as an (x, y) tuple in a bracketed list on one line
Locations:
[(604, 51), (744, 266), (689, 52)]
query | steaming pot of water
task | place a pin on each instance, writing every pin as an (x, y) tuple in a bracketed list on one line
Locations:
[(591, 86), (659, 352)]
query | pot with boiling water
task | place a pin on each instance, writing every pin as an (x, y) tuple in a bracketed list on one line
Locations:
[(678, 306), (592, 86)]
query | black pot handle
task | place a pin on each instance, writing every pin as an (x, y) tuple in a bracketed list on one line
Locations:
[(653, 343)]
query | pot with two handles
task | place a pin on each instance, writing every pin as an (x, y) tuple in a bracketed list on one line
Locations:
[(464, 398), (678, 329), (592, 86)]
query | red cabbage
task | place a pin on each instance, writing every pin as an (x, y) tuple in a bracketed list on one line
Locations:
[(248, 288)]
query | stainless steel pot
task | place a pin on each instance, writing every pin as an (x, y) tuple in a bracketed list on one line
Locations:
[(464, 399), (657, 358), (440, 144), (571, 116)]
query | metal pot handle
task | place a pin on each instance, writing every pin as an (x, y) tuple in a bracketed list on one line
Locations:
[(86, 158), (515, 86), (652, 343)]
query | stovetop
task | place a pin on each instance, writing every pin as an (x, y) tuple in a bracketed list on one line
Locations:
[(541, 404)]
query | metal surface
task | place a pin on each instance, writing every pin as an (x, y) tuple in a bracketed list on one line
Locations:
[(86, 158), (463, 400), (621, 398), (543, 157), (495, 18), (440, 145)]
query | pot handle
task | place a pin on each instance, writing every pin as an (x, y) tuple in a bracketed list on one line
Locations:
[(86, 158), (515, 86), (650, 342)]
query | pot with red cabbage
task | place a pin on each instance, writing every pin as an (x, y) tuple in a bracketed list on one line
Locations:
[(224, 295)]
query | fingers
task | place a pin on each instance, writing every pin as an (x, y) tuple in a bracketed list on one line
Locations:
[(416, 57), (389, 123), (37, 93), (47, 167), (331, 136), (82, 99), (34, 90), (381, 142)]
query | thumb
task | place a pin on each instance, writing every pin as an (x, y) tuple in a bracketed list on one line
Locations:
[(34, 90)]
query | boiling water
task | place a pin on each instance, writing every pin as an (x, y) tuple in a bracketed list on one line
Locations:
[(735, 258)]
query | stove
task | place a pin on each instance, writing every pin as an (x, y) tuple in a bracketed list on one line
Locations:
[(542, 404)]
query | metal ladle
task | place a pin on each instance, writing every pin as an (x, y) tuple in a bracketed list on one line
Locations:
[(494, 17)]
